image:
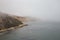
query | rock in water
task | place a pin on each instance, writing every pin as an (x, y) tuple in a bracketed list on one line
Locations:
[(7, 21)]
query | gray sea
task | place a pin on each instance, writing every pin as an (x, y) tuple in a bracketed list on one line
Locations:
[(34, 31)]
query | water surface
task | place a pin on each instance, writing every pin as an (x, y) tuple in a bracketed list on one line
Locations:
[(35, 31)]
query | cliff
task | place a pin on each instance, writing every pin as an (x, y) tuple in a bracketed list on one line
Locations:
[(8, 22)]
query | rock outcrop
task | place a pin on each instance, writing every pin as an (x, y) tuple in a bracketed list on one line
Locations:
[(8, 21)]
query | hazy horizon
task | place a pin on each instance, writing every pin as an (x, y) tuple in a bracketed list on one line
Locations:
[(48, 10)]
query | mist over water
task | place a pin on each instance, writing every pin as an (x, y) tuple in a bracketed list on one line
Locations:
[(48, 10), (47, 27)]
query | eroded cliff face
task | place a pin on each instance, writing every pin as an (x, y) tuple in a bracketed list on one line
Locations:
[(25, 18), (8, 21), (22, 19)]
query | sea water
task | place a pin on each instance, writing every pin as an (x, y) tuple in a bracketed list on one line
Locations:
[(35, 31)]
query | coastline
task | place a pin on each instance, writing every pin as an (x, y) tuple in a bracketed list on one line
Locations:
[(7, 19), (12, 28)]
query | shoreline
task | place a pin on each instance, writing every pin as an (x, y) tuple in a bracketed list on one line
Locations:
[(12, 28)]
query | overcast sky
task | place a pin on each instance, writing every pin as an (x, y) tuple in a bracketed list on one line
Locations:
[(43, 9)]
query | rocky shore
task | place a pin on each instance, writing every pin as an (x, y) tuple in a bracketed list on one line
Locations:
[(13, 28), (10, 22)]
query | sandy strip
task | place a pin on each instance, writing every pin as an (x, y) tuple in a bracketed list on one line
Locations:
[(12, 28)]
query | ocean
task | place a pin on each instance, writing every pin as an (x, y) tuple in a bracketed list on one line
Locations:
[(35, 31)]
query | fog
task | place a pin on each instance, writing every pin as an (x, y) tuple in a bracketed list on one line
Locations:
[(43, 9)]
